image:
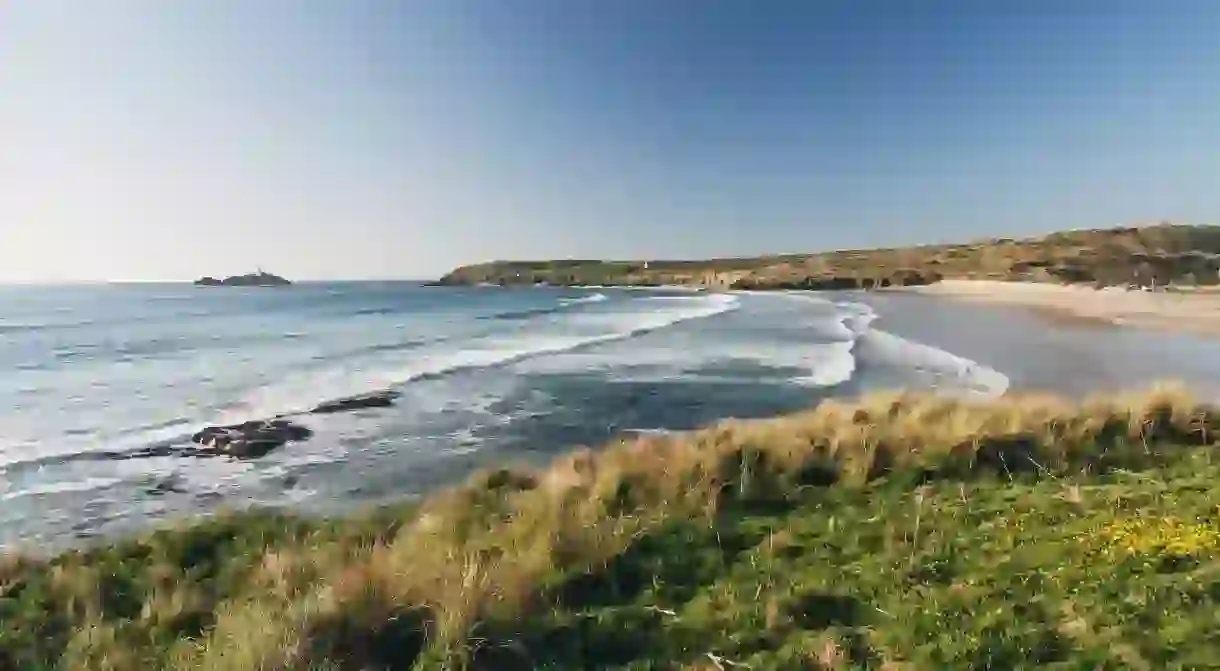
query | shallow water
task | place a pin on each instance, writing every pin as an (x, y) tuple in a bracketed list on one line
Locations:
[(1039, 352), (486, 375)]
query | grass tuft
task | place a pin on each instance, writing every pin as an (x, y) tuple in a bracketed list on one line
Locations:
[(897, 531)]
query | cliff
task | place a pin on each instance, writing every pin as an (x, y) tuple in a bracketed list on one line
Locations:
[(1142, 256)]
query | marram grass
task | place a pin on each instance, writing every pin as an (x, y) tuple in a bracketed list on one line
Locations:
[(897, 531)]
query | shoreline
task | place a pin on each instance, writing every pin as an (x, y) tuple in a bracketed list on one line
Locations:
[(541, 543), (1195, 313)]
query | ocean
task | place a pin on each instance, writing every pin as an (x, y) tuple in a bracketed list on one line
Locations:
[(94, 375)]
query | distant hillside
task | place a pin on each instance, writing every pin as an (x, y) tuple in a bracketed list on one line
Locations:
[(1143, 256)]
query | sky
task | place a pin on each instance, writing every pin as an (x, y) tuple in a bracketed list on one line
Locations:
[(153, 140)]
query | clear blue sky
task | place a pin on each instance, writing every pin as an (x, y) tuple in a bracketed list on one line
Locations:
[(146, 139)]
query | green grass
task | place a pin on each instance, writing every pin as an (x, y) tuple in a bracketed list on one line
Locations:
[(147, 593), (895, 532), (991, 574)]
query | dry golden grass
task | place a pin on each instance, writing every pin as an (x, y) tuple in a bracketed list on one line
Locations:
[(478, 555), (447, 590)]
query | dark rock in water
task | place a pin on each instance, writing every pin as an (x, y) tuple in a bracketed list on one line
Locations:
[(259, 279), (169, 485), (250, 440), (377, 399)]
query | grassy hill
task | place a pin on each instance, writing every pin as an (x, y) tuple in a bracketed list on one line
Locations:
[(1162, 254), (890, 533)]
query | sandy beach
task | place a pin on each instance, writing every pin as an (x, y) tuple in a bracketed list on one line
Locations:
[(1194, 312)]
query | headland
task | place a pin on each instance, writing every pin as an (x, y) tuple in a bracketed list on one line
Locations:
[(1150, 256)]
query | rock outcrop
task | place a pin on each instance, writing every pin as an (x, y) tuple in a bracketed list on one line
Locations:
[(259, 279), (376, 399), (250, 440)]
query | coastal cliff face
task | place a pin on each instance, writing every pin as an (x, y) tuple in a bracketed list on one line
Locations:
[(1152, 255)]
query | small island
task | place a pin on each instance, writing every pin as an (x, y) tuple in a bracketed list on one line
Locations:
[(258, 279)]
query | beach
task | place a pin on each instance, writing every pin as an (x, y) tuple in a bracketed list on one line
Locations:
[(103, 399), (109, 384), (1192, 311)]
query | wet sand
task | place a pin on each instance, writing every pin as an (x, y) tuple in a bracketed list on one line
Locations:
[(1051, 350), (1195, 312)]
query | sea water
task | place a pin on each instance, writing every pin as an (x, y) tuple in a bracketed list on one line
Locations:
[(92, 374)]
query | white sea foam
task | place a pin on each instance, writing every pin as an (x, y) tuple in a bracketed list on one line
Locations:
[(299, 394), (944, 371), (19, 451), (826, 364), (592, 298), (831, 364), (65, 487), (836, 362)]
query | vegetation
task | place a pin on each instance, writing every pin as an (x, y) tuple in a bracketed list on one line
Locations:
[(896, 532), (1142, 256)]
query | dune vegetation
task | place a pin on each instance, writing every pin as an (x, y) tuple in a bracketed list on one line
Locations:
[(897, 531)]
